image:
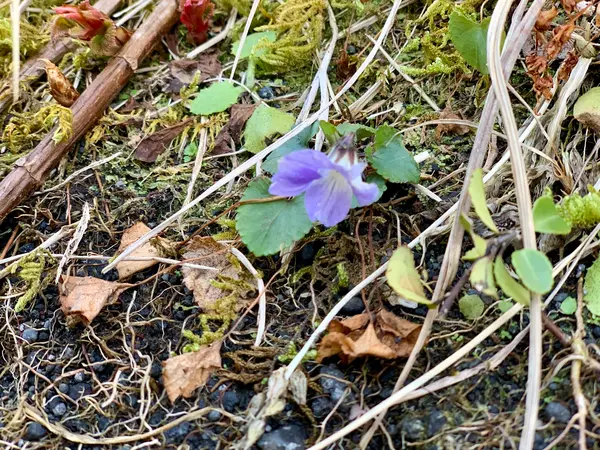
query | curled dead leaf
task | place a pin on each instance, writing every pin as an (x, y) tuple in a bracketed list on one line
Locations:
[(545, 18), (232, 129), (184, 70), (132, 234), (82, 298), (450, 128), (185, 373), (61, 88), (208, 252), (152, 146), (388, 337)]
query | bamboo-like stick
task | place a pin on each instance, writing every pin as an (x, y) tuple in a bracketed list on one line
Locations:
[(33, 68), (31, 170)]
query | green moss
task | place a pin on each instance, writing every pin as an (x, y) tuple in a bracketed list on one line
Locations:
[(27, 128), (299, 25), (581, 212)]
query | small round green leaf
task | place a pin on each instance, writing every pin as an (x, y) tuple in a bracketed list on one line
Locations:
[(504, 306), (546, 218), (470, 39), (568, 306), (216, 98), (471, 306), (534, 269), (390, 158), (264, 123), (267, 228)]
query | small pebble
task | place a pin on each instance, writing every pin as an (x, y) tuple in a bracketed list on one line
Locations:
[(35, 432), (43, 336), (435, 422), (413, 429), (59, 409), (63, 387), (354, 306), (321, 406), (79, 377), (558, 412), (214, 416), (30, 335), (266, 93), (287, 437)]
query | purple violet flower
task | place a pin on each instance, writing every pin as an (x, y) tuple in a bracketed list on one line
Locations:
[(328, 181)]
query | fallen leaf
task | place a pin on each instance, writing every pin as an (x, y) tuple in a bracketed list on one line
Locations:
[(450, 128), (399, 334), (207, 252), (61, 89), (560, 36), (132, 234), (152, 146), (388, 337), (569, 5), (545, 18), (183, 374), (184, 70), (233, 129), (82, 298)]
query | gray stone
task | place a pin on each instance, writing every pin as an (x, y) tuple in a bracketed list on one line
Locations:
[(321, 406), (30, 335), (59, 409), (331, 384), (354, 306), (413, 429), (287, 437), (435, 422), (79, 377), (35, 432), (214, 416), (557, 411), (63, 387)]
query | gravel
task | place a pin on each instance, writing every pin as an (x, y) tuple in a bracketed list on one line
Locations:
[(558, 412), (413, 429), (287, 437), (30, 335), (35, 432), (354, 306)]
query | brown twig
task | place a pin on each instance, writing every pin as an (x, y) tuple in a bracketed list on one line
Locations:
[(32, 170)]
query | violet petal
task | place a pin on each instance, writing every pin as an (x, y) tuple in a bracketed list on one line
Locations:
[(297, 171), (328, 200)]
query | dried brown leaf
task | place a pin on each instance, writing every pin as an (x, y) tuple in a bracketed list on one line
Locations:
[(389, 337), (232, 129), (545, 18), (207, 252), (82, 298), (61, 88), (185, 373), (560, 36), (132, 234), (569, 5), (450, 128), (152, 146), (184, 70), (399, 334)]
